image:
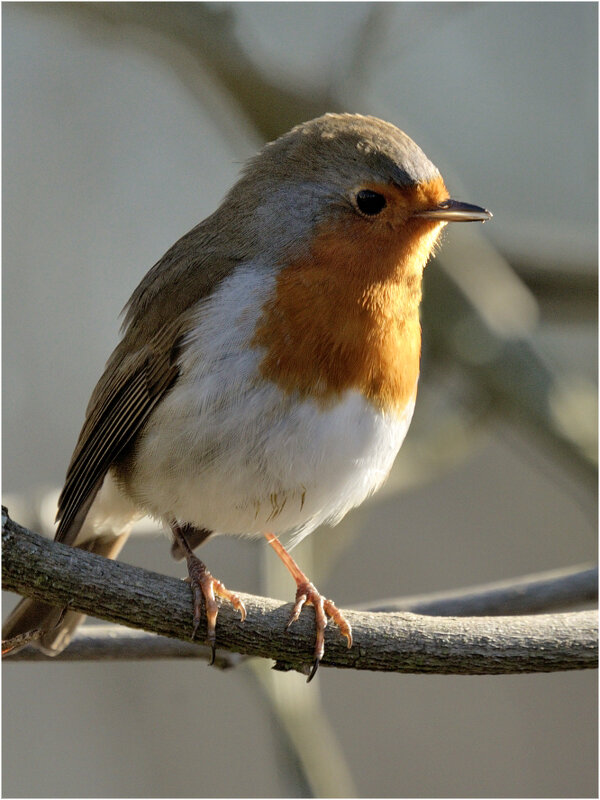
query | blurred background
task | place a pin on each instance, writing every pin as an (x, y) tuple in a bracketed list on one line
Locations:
[(124, 125)]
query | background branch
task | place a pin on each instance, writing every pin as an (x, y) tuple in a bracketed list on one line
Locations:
[(544, 591), (110, 642), (398, 642)]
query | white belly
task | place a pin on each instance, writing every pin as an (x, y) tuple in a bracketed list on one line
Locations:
[(229, 452)]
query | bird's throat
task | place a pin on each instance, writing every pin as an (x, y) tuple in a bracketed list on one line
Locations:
[(343, 320)]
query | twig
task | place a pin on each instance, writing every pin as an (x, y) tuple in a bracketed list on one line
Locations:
[(21, 640), (545, 591), (108, 642), (395, 642)]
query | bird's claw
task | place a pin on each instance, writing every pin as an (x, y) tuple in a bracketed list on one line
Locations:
[(205, 588), (308, 594)]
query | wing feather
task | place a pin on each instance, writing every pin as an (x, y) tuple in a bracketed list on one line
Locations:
[(121, 403), (143, 366)]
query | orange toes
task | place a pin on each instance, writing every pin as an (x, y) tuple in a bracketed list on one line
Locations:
[(204, 588), (307, 594), (336, 615)]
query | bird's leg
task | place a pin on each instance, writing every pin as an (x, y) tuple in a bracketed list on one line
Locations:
[(307, 594), (193, 536), (205, 587)]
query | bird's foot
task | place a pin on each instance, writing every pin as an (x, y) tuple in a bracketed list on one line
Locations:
[(308, 594), (204, 588)]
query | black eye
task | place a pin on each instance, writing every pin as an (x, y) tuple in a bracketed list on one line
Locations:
[(370, 203)]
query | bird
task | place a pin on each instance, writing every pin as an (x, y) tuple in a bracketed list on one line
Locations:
[(268, 367)]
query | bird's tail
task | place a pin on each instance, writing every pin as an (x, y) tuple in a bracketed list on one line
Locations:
[(104, 531), (56, 627)]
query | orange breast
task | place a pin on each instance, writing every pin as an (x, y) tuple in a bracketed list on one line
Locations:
[(346, 316)]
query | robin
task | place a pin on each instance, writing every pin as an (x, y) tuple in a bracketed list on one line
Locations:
[(268, 368)]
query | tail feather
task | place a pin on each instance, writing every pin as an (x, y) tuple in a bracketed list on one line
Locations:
[(32, 614)]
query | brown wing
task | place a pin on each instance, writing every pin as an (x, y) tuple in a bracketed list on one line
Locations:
[(143, 366), (129, 389)]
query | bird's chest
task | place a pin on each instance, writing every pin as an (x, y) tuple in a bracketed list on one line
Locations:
[(245, 452), (260, 460), (322, 333)]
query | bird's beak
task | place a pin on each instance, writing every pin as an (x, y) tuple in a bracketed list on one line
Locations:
[(454, 211)]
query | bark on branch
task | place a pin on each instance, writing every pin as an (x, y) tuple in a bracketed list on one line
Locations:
[(393, 642)]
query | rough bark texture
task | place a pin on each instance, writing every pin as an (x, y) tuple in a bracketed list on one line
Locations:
[(391, 642)]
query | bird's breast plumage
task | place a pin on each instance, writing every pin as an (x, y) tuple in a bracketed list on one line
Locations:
[(342, 318), (233, 449)]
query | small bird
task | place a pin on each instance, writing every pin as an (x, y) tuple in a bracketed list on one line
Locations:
[(268, 367)]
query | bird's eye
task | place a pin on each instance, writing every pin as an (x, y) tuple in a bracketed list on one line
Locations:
[(370, 203)]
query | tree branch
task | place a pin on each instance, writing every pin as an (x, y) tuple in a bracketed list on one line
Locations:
[(110, 642), (393, 642), (545, 591)]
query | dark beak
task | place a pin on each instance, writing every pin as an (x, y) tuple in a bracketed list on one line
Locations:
[(454, 211)]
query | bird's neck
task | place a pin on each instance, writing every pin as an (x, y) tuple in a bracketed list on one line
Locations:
[(334, 325)]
